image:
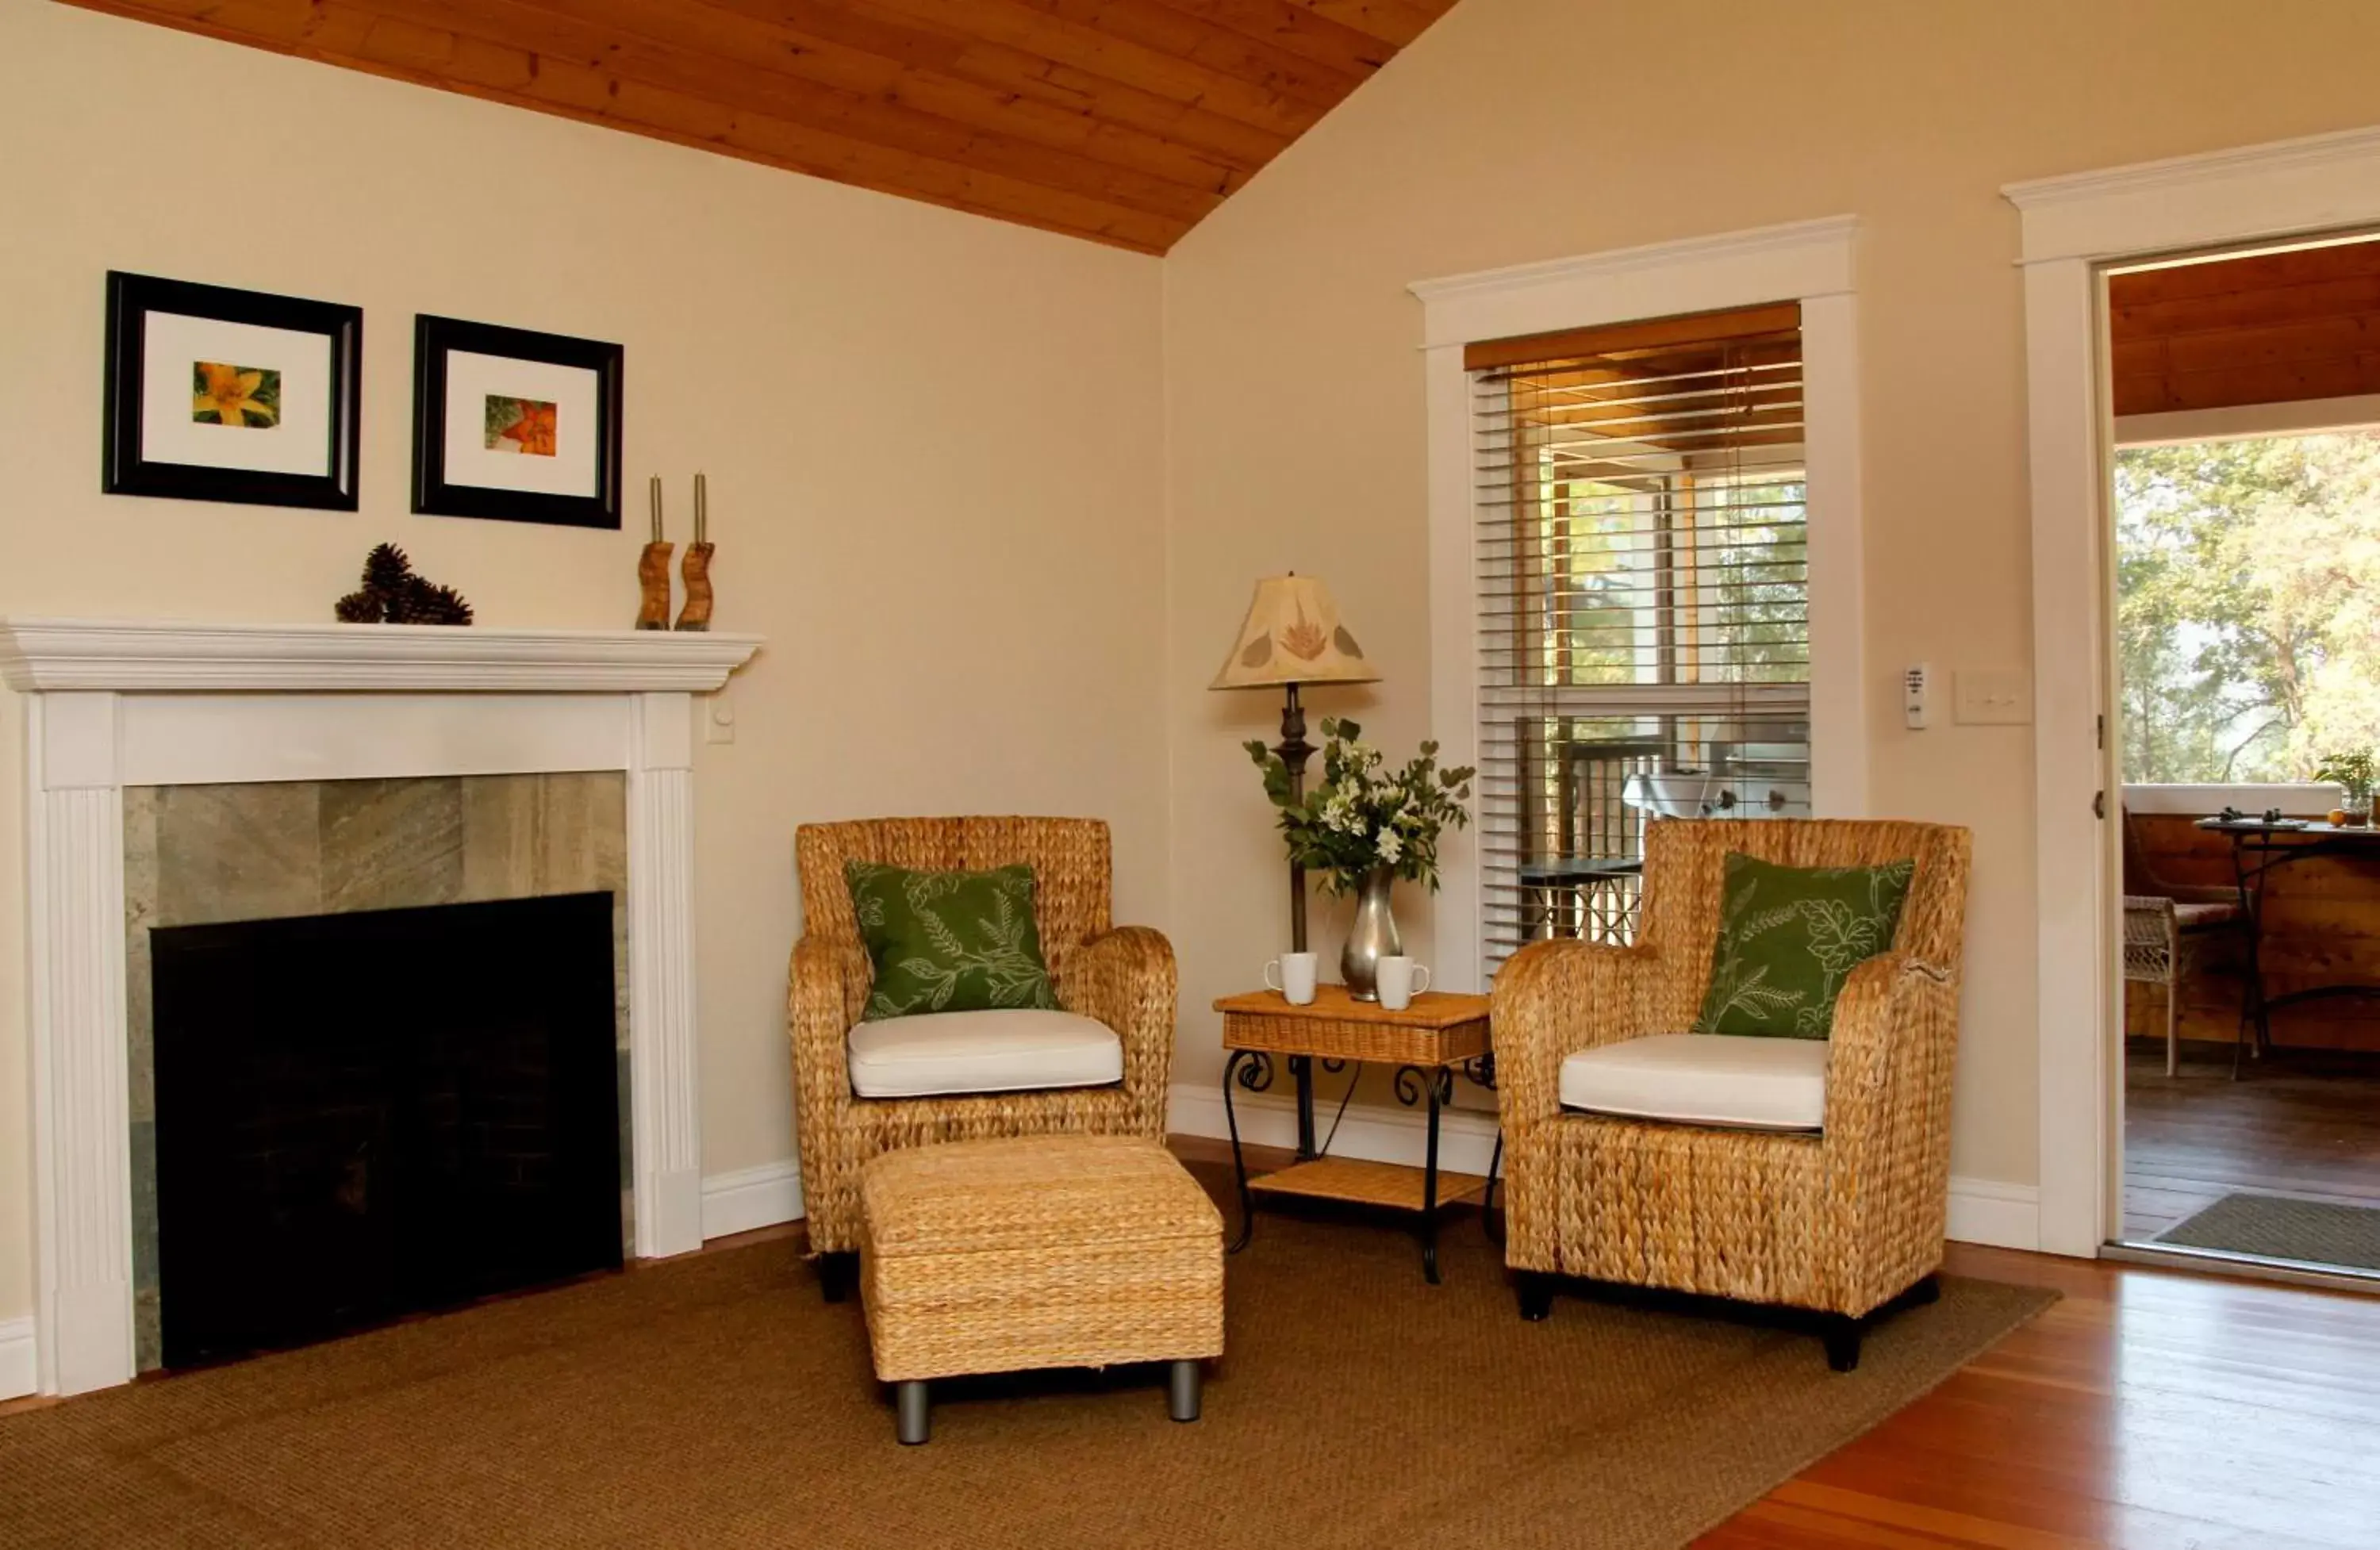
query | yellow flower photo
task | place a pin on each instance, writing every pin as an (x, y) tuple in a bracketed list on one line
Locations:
[(248, 396)]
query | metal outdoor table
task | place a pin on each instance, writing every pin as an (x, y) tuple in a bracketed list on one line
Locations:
[(2260, 847)]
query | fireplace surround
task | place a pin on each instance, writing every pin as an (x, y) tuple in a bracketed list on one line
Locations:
[(201, 857), (111, 706)]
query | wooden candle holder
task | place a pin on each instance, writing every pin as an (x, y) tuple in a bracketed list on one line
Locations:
[(696, 568), (653, 577)]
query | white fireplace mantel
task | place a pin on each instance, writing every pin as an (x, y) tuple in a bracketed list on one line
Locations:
[(113, 704), (49, 655)]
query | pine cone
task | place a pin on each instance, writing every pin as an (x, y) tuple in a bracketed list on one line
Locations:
[(391, 594), (451, 606), (419, 601), (386, 569)]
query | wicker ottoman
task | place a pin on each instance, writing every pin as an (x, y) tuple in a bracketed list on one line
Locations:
[(1055, 1250)]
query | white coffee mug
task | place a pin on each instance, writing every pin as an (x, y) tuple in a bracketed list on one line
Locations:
[(1400, 980), (1295, 972)]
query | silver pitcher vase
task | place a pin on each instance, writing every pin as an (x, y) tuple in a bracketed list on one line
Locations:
[(1370, 937)]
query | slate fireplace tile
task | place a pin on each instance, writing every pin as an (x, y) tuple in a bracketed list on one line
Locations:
[(526, 836), (239, 852), (391, 844), (148, 1342)]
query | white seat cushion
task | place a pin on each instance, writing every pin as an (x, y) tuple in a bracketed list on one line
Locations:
[(1005, 1051), (1703, 1079)]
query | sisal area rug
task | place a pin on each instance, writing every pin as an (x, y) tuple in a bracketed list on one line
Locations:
[(716, 1401), (2275, 1226)]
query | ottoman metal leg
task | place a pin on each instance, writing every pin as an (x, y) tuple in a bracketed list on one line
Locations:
[(1183, 1382), (916, 1410)]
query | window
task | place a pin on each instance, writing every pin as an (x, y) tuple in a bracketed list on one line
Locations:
[(1642, 605)]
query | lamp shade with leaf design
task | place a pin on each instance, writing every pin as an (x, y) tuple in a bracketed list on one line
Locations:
[(1293, 634)]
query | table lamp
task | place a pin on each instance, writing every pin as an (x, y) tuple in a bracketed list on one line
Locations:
[(1294, 635)]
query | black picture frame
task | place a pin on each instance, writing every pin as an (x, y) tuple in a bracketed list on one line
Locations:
[(433, 339), (125, 470)]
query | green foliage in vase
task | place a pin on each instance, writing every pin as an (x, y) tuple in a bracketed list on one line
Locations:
[(1361, 814), (2355, 773)]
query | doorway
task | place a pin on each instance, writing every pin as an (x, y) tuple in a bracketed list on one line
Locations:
[(2242, 547)]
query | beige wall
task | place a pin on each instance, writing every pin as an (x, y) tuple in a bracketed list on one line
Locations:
[(930, 441), (1528, 129)]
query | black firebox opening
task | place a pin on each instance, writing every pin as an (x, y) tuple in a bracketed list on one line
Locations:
[(362, 1116)]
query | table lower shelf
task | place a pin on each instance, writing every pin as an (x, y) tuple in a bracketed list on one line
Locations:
[(1393, 1185)]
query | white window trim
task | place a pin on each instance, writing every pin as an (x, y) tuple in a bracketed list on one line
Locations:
[(1811, 261), (2300, 416), (2295, 799), (2072, 225)]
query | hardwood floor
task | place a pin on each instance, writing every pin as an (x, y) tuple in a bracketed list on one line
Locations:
[(2150, 1410), (2302, 1123)]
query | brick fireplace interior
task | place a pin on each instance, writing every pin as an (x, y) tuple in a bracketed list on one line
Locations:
[(365, 1115)]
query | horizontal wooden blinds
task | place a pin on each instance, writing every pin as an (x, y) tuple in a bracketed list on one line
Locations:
[(1643, 602)]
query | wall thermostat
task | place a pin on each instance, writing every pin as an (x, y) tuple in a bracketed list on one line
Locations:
[(1916, 694)]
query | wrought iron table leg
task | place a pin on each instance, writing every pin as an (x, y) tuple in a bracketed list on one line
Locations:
[(1429, 1186), (1301, 1068), (1257, 1077), (2257, 1019)]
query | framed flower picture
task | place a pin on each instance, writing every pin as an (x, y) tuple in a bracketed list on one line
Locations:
[(219, 395), (513, 425)]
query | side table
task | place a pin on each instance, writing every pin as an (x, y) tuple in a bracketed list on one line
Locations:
[(1440, 1035)]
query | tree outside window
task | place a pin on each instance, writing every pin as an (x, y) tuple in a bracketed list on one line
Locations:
[(2248, 619)]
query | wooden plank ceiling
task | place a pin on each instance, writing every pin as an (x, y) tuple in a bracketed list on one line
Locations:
[(1123, 121), (2271, 328)]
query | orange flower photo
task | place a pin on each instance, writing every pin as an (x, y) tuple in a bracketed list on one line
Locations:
[(520, 425), (248, 396)]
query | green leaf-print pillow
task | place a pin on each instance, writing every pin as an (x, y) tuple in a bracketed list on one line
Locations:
[(1787, 939), (949, 941)]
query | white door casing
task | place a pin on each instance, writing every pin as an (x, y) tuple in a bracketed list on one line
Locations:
[(2073, 226)]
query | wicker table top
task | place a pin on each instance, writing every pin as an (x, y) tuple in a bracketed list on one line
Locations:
[(1441, 1028)]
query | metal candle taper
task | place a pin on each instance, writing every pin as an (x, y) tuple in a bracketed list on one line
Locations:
[(653, 571), (696, 614)]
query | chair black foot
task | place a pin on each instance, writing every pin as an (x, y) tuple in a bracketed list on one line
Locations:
[(837, 1274), (1183, 1382), (1842, 1336), (914, 1420), (1924, 1294), (1536, 1291)]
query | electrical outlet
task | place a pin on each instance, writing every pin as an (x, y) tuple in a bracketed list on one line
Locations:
[(1995, 697), (719, 720)]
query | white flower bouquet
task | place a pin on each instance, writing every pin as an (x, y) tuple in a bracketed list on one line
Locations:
[(1362, 816)]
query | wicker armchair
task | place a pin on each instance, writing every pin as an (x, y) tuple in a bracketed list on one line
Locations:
[(1122, 977), (1843, 1221)]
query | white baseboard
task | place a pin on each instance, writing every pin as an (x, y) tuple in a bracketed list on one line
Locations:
[(1467, 1137), (1987, 1211), (1982, 1210), (19, 1374), (751, 1197)]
